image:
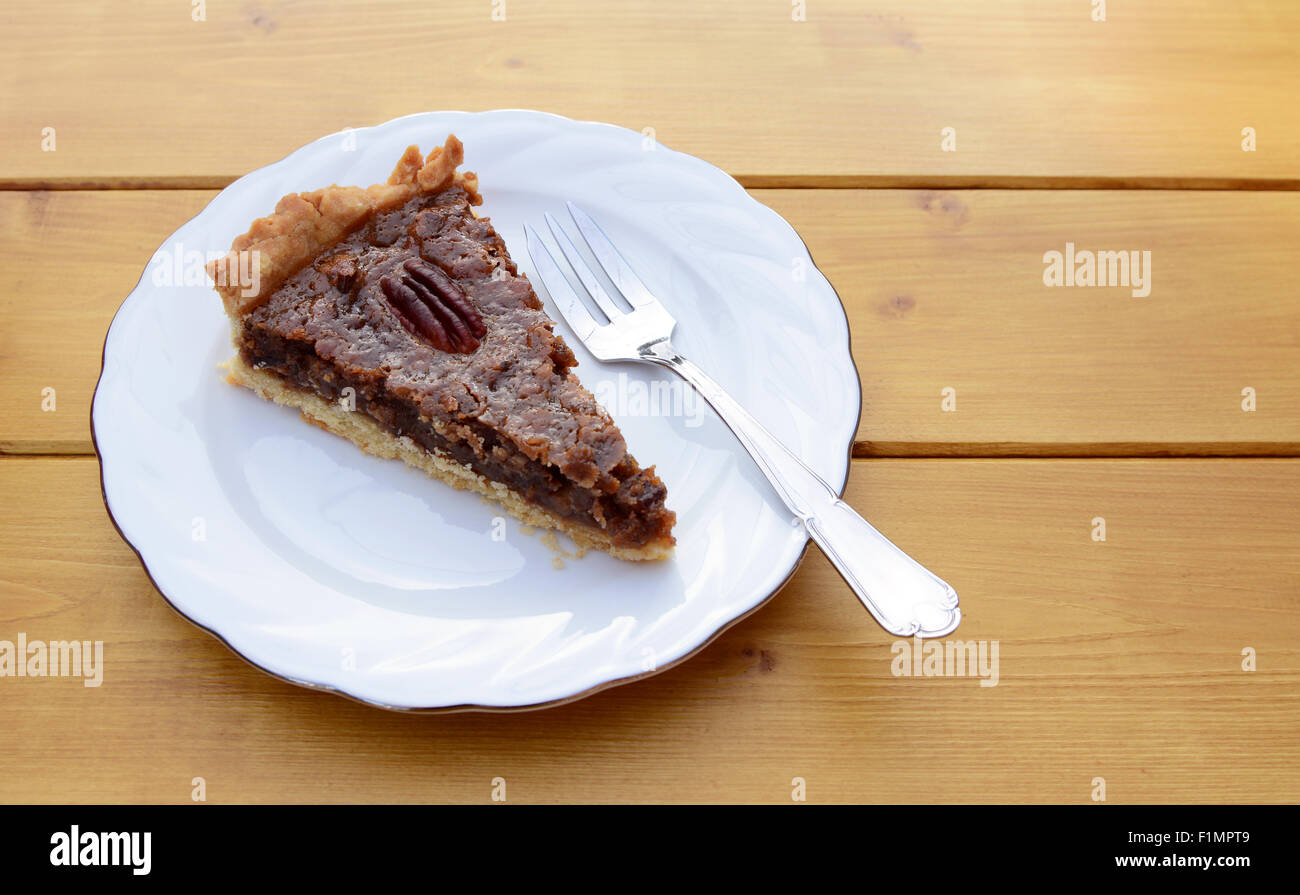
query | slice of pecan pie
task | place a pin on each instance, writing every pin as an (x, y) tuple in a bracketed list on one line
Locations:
[(392, 315)]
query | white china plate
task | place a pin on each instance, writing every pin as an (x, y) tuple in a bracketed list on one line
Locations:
[(332, 569)]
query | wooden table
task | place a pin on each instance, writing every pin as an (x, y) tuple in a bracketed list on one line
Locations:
[(1120, 659)]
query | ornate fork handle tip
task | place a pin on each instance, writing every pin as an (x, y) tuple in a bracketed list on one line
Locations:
[(904, 597)]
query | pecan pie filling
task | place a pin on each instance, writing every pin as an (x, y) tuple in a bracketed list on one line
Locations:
[(420, 312)]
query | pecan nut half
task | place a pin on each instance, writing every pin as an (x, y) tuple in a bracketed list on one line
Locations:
[(431, 304)]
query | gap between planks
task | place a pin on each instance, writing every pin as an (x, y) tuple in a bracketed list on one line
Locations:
[(1059, 451), (763, 181), (906, 451)]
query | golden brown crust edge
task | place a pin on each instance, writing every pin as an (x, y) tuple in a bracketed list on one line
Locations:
[(367, 435), (305, 224)]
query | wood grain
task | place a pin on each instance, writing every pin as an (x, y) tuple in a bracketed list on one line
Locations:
[(946, 290), (73, 258), (943, 289), (1120, 659), (856, 95)]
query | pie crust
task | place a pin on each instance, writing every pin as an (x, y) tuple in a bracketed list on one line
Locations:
[(401, 293)]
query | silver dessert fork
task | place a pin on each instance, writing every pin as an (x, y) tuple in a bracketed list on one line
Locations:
[(905, 597)]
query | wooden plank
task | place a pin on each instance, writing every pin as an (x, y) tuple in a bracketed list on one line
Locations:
[(856, 95), (75, 257), (1119, 659), (946, 290), (943, 290)]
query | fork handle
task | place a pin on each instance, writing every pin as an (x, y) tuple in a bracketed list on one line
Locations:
[(906, 598)]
